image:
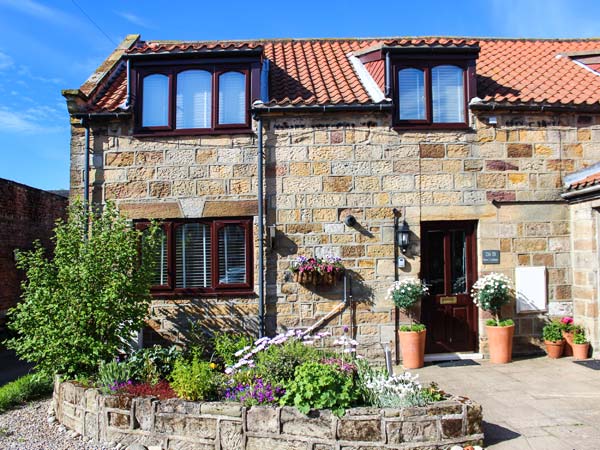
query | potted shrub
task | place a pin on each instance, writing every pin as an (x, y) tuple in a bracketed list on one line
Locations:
[(567, 329), (581, 345), (552, 335), (405, 295), (490, 293)]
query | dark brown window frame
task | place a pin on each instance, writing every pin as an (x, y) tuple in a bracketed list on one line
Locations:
[(216, 289), (426, 63), (251, 70)]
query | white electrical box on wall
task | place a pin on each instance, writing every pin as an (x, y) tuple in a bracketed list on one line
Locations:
[(531, 289)]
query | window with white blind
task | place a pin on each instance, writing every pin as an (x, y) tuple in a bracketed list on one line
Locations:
[(155, 102), (448, 94), (430, 94), (411, 94), (232, 254), (204, 256), (193, 99), (232, 98)]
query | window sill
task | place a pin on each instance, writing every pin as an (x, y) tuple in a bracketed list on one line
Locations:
[(427, 127), (217, 132), (200, 294)]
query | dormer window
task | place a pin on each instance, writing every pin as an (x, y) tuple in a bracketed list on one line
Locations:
[(194, 98), (432, 93)]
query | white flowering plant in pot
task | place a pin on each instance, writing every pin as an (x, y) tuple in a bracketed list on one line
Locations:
[(405, 294), (490, 293)]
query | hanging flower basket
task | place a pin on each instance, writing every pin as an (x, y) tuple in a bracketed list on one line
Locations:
[(325, 271)]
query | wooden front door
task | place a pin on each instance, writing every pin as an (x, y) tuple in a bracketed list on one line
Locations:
[(449, 268)]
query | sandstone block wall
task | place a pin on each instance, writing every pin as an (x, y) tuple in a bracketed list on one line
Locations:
[(26, 214), (181, 425), (320, 168), (584, 241)]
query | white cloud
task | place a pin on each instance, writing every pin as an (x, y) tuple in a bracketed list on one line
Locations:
[(40, 11), (6, 62), (542, 18), (134, 19), (26, 72), (32, 120)]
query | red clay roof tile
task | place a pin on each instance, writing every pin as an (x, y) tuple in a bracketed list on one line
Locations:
[(319, 72)]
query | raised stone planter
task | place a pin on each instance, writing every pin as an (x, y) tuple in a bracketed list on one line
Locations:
[(182, 425)]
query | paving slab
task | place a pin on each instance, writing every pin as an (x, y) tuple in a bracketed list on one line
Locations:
[(532, 403)]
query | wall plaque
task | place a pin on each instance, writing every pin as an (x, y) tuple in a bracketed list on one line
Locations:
[(448, 300), (490, 256)]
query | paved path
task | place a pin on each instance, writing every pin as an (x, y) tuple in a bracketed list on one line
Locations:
[(535, 403)]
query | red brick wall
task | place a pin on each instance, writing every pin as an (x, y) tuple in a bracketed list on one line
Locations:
[(26, 214)]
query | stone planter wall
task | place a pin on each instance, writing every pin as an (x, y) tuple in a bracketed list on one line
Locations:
[(182, 425)]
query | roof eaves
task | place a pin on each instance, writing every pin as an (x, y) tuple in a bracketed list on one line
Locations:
[(91, 84), (576, 177)]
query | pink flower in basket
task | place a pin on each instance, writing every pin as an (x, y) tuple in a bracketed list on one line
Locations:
[(566, 320)]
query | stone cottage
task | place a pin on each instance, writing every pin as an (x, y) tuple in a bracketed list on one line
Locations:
[(253, 153)]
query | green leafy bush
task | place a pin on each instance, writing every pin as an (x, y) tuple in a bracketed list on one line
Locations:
[(433, 393), (113, 373), (414, 327), (499, 323), (80, 307), (150, 365), (196, 380), (278, 363), (579, 338), (321, 386), (28, 387), (552, 332), (227, 344)]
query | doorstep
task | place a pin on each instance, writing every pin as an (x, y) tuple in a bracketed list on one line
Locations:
[(435, 357)]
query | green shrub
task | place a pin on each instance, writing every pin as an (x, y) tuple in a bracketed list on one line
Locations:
[(499, 323), (227, 344), (196, 380), (552, 332), (278, 363), (81, 306), (321, 386), (150, 365), (579, 338), (28, 387), (417, 327), (113, 373)]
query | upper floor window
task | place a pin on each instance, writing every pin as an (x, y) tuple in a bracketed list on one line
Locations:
[(432, 95), (193, 99)]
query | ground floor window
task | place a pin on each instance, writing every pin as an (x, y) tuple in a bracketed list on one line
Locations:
[(203, 256)]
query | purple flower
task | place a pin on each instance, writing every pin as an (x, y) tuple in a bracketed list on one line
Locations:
[(346, 328)]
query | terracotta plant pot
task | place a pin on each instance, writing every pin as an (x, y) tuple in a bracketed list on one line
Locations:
[(554, 349), (412, 345), (500, 343), (568, 350), (580, 351)]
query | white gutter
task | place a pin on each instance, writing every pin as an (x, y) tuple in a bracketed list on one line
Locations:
[(366, 79), (581, 192)]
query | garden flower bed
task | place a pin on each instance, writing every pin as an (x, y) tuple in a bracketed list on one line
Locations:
[(274, 393), (181, 424)]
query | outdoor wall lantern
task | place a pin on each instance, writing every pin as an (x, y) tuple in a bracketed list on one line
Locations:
[(403, 236)]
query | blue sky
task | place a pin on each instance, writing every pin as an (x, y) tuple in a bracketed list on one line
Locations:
[(46, 46)]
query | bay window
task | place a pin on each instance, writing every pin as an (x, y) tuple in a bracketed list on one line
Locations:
[(203, 256)]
